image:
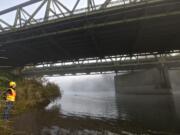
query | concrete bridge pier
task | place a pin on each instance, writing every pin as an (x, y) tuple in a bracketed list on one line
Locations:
[(148, 97), (147, 81)]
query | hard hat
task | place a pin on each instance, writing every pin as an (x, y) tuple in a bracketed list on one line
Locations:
[(12, 84)]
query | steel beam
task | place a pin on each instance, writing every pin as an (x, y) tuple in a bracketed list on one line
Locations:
[(47, 12), (24, 11), (35, 12), (4, 22), (19, 6), (105, 4), (59, 8), (62, 5), (75, 6)]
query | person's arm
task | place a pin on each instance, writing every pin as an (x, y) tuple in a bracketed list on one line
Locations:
[(9, 92), (6, 93)]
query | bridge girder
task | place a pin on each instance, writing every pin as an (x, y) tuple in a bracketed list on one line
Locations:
[(54, 9), (109, 64)]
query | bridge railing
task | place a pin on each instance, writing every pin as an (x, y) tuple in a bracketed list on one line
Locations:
[(23, 19)]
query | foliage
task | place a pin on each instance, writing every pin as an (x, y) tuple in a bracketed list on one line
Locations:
[(32, 92)]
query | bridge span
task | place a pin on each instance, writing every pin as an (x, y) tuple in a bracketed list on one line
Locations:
[(113, 64), (112, 28)]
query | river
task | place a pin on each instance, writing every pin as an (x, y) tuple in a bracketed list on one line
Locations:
[(90, 106)]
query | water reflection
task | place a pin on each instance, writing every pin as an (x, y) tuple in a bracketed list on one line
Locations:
[(156, 112), (82, 106)]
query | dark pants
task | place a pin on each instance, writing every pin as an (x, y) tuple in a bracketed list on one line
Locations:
[(7, 110)]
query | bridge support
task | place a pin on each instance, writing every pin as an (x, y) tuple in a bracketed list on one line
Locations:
[(151, 97), (149, 81)]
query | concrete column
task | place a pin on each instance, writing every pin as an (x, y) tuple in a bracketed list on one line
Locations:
[(149, 81), (175, 84), (165, 79)]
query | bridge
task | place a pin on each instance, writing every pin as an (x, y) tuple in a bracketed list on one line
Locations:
[(122, 27), (113, 64)]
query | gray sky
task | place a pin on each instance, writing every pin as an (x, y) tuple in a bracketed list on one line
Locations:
[(9, 3)]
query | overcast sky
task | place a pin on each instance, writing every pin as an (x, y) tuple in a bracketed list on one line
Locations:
[(4, 4), (9, 3)]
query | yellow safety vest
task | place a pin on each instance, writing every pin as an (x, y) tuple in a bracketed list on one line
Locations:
[(11, 97)]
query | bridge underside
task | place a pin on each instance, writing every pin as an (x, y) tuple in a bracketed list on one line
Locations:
[(105, 66), (114, 31)]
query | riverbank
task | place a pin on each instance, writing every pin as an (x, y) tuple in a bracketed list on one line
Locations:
[(41, 122), (31, 94)]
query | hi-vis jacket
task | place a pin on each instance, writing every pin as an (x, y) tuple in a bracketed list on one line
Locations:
[(11, 95)]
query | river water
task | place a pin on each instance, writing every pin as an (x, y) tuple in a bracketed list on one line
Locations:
[(90, 106)]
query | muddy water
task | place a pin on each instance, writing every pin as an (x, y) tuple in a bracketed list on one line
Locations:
[(90, 106)]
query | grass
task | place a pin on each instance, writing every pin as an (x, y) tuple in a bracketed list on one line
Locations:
[(5, 128)]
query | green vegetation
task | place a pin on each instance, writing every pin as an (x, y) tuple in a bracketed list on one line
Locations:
[(31, 93)]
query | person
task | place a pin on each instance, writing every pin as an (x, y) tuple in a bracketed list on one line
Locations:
[(10, 97)]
